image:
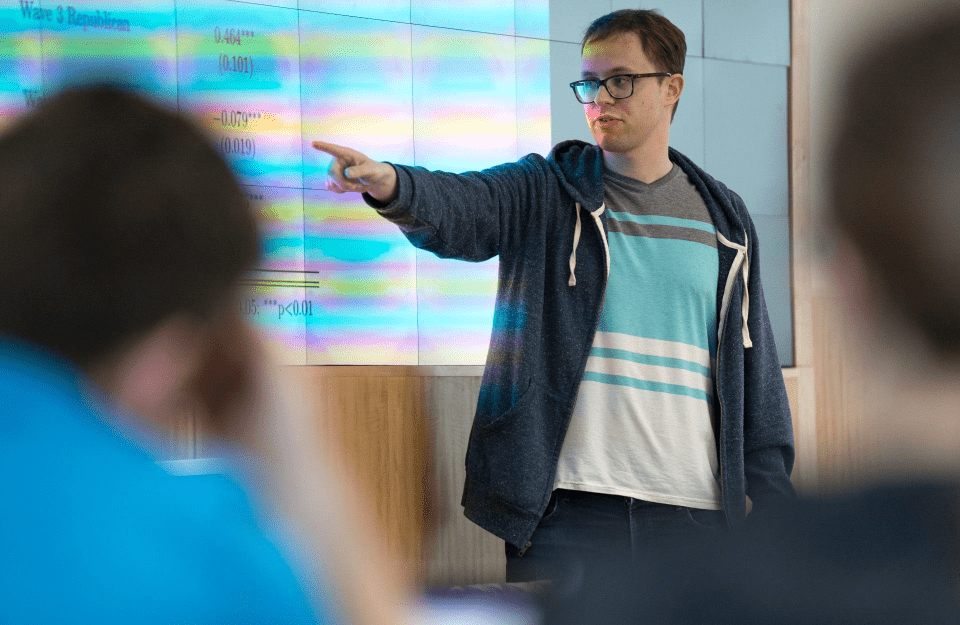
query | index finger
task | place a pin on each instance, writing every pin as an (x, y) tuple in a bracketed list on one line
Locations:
[(337, 151)]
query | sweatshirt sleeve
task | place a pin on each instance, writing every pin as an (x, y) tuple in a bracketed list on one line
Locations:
[(768, 427), (470, 216)]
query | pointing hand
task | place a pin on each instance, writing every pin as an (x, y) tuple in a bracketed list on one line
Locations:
[(351, 171)]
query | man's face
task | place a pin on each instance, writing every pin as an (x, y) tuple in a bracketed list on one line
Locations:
[(626, 125)]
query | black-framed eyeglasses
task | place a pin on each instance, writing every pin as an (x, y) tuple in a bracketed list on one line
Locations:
[(619, 86)]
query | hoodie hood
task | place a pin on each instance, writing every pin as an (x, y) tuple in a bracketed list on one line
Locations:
[(579, 165)]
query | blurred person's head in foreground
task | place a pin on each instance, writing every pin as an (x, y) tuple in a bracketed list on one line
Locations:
[(122, 238), (893, 223)]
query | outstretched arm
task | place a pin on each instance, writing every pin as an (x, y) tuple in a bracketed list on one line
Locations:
[(471, 216)]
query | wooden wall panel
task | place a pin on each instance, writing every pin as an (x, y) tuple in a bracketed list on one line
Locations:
[(800, 378), (840, 393), (460, 552), (800, 391), (406, 437), (792, 394), (378, 423)]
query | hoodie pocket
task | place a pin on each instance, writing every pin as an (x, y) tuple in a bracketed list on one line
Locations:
[(493, 424)]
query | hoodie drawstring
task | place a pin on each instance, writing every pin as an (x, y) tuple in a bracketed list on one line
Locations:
[(740, 262), (576, 242)]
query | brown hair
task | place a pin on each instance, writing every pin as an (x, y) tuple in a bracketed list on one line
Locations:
[(114, 215), (662, 42), (893, 175)]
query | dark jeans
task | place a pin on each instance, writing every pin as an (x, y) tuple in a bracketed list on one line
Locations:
[(578, 527)]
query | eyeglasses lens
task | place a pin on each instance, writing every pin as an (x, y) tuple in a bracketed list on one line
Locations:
[(587, 91), (620, 86)]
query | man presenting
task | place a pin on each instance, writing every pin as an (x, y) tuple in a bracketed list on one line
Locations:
[(632, 389)]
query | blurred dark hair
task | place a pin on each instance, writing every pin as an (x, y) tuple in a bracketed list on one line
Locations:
[(662, 42), (894, 175), (115, 214)]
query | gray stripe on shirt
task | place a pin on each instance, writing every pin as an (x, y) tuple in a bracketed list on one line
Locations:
[(659, 231)]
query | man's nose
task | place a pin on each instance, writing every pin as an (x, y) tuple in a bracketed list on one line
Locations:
[(603, 96)]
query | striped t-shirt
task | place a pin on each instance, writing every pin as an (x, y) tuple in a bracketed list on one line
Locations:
[(642, 425)]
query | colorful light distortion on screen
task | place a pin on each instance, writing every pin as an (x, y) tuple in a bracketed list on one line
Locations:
[(239, 73), (451, 86), (366, 303)]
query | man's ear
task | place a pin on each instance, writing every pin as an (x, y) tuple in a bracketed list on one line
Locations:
[(151, 377), (225, 373), (674, 88)]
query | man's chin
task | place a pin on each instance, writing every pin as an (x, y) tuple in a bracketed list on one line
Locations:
[(603, 141), (609, 144)]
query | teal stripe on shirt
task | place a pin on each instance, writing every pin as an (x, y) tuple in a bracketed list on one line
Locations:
[(662, 220), (644, 359), (643, 385), (644, 303)]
